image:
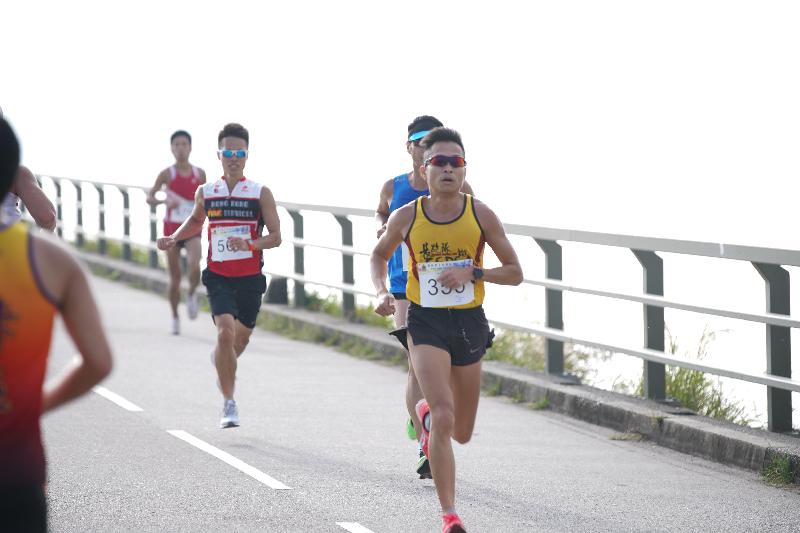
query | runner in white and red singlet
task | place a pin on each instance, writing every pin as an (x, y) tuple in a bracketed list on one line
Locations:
[(237, 209), (180, 181)]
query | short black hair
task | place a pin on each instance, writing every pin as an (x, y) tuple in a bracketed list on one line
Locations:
[(423, 123), (438, 135), (234, 130), (9, 157), (181, 133)]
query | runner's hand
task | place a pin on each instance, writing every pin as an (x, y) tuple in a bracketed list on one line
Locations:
[(165, 243), (237, 244), (384, 305), (381, 230), (453, 278), (172, 200)]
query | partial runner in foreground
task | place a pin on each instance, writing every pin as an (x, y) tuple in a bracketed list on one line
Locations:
[(180, 182), (237, 210), (26, 191), (447, 330), (40, 278)]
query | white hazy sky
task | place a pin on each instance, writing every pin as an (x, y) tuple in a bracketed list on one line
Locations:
[(675, 119), (670, 119)]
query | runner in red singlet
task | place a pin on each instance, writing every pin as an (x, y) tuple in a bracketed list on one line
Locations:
[(181, 181), (237, 210)]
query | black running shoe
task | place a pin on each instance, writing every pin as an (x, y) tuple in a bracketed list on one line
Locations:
[(424, 467)]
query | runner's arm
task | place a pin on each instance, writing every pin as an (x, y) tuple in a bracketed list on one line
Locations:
[(385, 201), (396, 228), (190, 227), (510, 271), (36, 202), (161, 181), (68, 284), (269, 212)]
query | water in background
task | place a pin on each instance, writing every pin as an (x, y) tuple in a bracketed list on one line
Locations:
[(733, 285)]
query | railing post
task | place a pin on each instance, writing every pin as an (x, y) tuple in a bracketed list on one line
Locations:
[(348, 299), (554, 310), (126, 224), (101, 210), (59, 213), (655, 385), (299, 260), (153, 237), (779, 346), (79, 235)]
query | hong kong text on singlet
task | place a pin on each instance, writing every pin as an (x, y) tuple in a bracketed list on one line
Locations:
[(235, 213)]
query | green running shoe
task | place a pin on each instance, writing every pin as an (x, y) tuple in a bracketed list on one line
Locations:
[(410, 431)]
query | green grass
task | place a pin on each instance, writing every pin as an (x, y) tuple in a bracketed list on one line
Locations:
[(779, 471), (332, 305), (541, 405), (694, 390), (493, 389), (528, 351)]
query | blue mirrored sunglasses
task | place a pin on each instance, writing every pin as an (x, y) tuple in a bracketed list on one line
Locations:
[(230, 153)]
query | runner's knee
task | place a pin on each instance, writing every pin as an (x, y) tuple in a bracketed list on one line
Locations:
[(442, 419), (226, 335), (462, 435)]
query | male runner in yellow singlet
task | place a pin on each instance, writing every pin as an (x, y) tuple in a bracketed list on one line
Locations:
[(447, 330), (38, 278)]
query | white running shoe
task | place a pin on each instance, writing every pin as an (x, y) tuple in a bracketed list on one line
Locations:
[(176, 326), (192, 305), (230, 415)]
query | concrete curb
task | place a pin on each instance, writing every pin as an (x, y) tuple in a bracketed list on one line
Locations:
[(669, 426)]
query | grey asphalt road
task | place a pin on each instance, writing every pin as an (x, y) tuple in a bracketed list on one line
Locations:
[(332, 429)]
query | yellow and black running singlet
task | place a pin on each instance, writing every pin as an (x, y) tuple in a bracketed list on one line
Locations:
[(26, 324), (436, 246)]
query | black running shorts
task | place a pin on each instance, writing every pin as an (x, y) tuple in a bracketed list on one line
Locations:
[(463, 333), (240, 297), (23, 509)]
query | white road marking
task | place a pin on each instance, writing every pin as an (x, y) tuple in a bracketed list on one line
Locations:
[(240, 465), (117, 399), (353, 527)]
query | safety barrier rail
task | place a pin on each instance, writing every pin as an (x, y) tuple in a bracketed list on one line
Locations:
[(769, 263)]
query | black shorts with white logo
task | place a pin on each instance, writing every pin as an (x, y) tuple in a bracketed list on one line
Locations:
[(240, 297), (463, 333)]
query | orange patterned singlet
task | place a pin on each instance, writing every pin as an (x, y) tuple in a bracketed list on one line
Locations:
[(26, 324)]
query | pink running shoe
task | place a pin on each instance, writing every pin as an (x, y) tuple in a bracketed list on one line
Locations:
[(422, 411), (451, 523)]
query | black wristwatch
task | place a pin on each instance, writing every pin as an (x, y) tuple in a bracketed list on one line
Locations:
[(477, 273)]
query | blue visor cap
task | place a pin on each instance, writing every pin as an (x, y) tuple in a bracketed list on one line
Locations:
[(418, 135)]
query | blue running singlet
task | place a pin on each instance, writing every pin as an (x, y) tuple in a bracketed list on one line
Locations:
[(402, 194)]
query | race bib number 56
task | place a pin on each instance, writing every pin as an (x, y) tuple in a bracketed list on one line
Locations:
[(433, 294), (220, 251)]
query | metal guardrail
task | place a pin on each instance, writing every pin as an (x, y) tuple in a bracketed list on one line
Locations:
[(768, 262)]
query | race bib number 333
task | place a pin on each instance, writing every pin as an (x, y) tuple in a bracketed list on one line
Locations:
[(433, 294), (221, 251)]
